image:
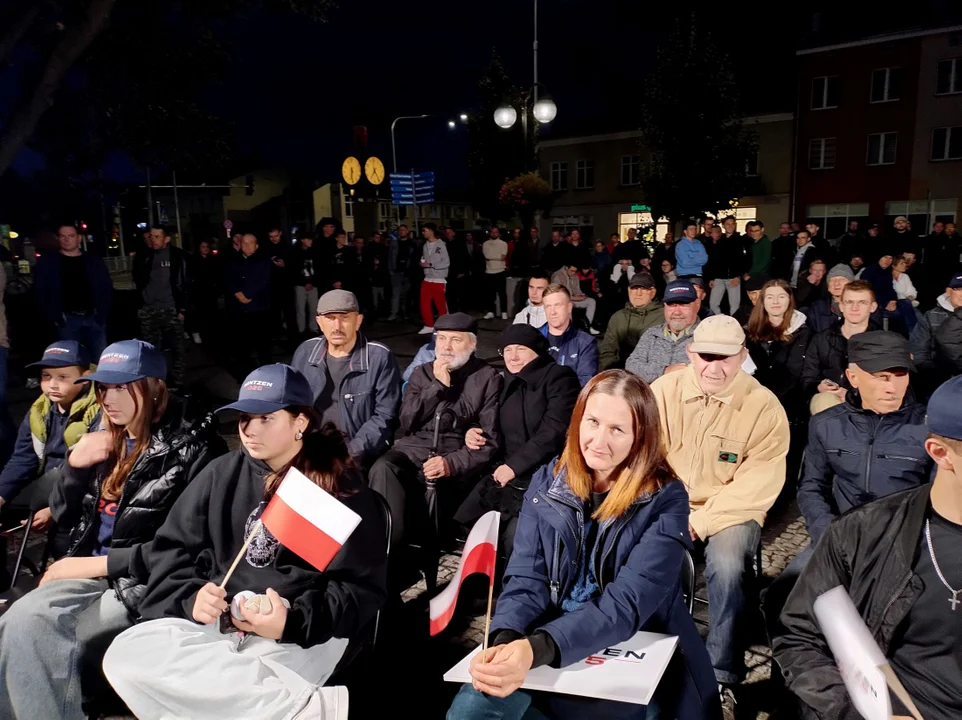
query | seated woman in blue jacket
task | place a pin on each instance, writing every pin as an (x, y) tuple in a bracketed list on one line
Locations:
[(598, 556)]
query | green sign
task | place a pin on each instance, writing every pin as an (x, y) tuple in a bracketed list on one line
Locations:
[(640, 208)]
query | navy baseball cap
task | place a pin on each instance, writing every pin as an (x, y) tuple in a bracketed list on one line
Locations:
[(679, 292), (65, 353), (956, 281), (128, 361), (271, 388), (942, 415)]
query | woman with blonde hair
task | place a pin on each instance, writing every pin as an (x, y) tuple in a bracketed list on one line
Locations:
[(598, 556), (118, 486)]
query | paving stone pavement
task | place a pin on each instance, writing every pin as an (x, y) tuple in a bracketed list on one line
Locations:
[(782, 538)]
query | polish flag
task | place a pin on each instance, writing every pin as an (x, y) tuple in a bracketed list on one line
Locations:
[(308, 520), (479, 555)]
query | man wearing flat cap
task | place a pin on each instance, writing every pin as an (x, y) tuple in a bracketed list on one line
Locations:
[(869, 446), (727, 438), (628, 324), (442, 400), (534, 411), (356, 382)]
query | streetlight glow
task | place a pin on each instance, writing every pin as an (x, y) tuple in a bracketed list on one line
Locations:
[(451, 124), (545, 109), (505, 116), (464, 117)]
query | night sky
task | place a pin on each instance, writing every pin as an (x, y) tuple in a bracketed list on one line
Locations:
[(296, 88)]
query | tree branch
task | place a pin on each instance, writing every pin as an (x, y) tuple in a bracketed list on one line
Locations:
[(70, 48)]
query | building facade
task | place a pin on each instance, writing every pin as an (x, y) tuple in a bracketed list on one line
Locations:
[(879, 130), (598, 181)]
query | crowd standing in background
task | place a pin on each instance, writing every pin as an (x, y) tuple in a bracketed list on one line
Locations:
[(657, 399)]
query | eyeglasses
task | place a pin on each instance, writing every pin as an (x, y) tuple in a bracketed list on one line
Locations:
[(856, 303)]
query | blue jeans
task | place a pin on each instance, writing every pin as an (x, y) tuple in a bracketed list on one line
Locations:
[(87, 331), (469, 704), (47, 638), (729, 569)]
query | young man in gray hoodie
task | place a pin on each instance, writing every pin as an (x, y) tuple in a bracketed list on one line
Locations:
[(435, 261)]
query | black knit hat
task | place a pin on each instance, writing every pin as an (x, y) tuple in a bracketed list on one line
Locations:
[(524, 335)]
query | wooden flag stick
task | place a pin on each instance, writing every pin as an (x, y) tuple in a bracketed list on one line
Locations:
[(487, 620), (247, 543), (899, 689)]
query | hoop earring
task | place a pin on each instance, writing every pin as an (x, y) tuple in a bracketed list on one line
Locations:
[(299, 435)]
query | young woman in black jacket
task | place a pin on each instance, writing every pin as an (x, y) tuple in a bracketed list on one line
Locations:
[(777, 340), (201, 654), (117, 488)]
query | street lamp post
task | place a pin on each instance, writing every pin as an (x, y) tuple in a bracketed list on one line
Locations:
[(544, 111), (394, 153)]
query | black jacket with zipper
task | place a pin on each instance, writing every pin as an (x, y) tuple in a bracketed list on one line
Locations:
[(869, 551), (827, 358), (855, 456), (182, 444), (209, 524)]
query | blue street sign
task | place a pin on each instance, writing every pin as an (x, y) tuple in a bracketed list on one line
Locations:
[(411, 188)]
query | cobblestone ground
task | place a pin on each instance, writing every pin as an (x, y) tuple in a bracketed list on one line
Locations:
[(408, 664)]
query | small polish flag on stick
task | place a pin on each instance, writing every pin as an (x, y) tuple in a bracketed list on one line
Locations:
[(479, 556), (305, 519)]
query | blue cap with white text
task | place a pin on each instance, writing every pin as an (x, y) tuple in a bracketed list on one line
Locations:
[(128, 361), (679, 292), (271, 388), (64, 353)]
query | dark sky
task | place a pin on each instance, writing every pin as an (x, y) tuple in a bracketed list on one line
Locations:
[(295, 88)]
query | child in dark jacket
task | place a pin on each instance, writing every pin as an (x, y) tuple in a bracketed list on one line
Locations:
[(56, 421), (202, 652)]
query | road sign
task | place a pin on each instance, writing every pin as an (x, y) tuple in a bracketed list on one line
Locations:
[(412, 188), (228, 224)]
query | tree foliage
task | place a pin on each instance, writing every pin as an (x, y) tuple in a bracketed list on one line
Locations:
[(691, 124), (101, 75), (495, 154)]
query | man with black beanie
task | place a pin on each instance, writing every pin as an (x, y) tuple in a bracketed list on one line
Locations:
[(534, 411)]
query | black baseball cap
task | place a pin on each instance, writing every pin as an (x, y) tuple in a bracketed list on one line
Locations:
[(642, 280), (942, 415), (271, 388), (64, 353), (679, 292), (879, 350), (128, 361)]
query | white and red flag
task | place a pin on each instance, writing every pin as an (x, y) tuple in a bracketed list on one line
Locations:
[(306, 519), (479, 556)]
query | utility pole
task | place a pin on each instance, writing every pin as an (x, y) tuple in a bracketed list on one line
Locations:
[(180, 237), (150, 202)]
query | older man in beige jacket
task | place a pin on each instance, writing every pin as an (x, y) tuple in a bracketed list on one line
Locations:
[(727, 438)]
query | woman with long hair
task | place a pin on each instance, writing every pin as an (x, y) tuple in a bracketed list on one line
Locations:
[(777, 339), (206, 651), (598, 556), (117, 488)]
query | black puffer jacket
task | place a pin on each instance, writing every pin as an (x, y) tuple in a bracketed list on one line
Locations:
[(869, 552), (183, 442)]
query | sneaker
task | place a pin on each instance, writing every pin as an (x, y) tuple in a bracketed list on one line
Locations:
[(489, 316), (392, 317), (594, 332), (329, 703), (196, 337), (504, 316), (426, 330)]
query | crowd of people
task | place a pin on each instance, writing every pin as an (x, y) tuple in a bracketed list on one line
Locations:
[(654, 403)]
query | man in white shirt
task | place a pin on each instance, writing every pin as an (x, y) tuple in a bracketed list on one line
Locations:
[(533, 313), (495, 272)]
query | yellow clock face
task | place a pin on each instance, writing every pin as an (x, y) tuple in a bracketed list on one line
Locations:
[(351, 170), (374, 171)]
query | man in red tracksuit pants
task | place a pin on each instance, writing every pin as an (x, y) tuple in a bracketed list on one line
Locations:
[(435, 261)]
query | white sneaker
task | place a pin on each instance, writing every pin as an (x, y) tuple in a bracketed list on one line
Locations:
[(504, 316), (327, 703), (594, 332), (489, 316), (196, 337), (426, 330)]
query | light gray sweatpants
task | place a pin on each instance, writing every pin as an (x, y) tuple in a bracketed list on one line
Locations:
[(305, 307), (173, 668)]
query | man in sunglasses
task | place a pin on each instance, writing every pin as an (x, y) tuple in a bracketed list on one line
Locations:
[(727, 437)]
